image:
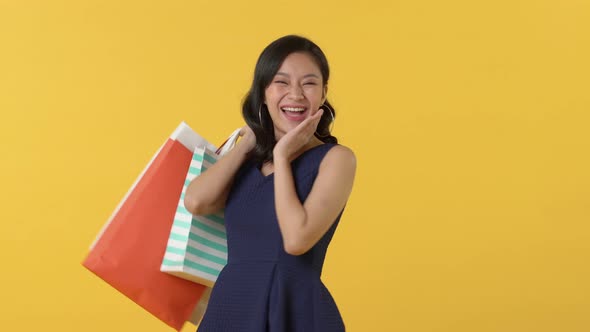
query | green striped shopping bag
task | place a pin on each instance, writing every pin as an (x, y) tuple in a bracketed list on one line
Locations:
[(197, 245)]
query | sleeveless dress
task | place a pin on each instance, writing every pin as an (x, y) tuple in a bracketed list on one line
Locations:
[(262, 288)]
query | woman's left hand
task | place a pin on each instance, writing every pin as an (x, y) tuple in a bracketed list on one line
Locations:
[(297, 138)]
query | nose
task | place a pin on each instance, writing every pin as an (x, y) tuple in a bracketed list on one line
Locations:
[(296, 92)]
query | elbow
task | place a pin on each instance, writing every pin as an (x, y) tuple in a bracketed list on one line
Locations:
[(198, 207), (192, 205), (295, 247), (296, 240)]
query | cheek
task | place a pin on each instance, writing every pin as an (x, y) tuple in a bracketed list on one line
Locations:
[(272, 94), (315, 97), (314, 91)]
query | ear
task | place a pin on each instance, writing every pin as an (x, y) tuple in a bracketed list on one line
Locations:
[(324, 93)]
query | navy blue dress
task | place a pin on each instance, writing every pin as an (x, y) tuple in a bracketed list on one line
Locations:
[(262, 288)]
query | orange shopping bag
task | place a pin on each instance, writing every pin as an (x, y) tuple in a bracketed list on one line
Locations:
[(128, 252)]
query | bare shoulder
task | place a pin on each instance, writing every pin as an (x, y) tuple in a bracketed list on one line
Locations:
[(339, 158)]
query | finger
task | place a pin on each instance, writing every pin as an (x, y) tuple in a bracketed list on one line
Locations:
[(309, 125), (319, 113), (245, 130), (316, 118)]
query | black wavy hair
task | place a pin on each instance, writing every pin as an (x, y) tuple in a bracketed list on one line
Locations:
[(267, 66)]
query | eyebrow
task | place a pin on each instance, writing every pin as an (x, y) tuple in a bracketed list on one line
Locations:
[(308, 75)]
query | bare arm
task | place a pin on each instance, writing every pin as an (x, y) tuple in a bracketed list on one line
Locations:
[(207, 193), (302, 225)]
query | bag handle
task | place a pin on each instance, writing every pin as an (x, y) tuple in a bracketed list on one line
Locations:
[(229, 143)]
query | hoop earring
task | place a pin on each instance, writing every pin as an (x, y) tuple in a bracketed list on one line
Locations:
[(260, 115), (332, 124)]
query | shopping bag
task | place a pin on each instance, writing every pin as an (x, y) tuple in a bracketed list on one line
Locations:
[(128, 251), (197, 246)]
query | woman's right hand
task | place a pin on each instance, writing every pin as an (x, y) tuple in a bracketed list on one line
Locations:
[(207, 193), (247, 138)]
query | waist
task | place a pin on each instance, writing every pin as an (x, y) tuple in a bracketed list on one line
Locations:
[(284, 263)]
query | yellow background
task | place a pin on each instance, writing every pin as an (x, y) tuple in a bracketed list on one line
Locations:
[(470, 121)]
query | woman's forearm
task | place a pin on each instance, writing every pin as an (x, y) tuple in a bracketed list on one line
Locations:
[(207, 192), (290, 211)]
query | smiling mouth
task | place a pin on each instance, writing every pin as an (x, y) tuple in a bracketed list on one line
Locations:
[(293, 109), (294, 113)]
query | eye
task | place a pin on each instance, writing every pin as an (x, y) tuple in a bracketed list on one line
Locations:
[(310, 83), (281, 82)]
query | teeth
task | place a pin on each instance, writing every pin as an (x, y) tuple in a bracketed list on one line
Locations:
[(293, 109)]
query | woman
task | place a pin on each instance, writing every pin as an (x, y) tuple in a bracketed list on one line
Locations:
[(283, 187)]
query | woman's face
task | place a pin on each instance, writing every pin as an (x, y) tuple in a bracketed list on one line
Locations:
[(296, 92)]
